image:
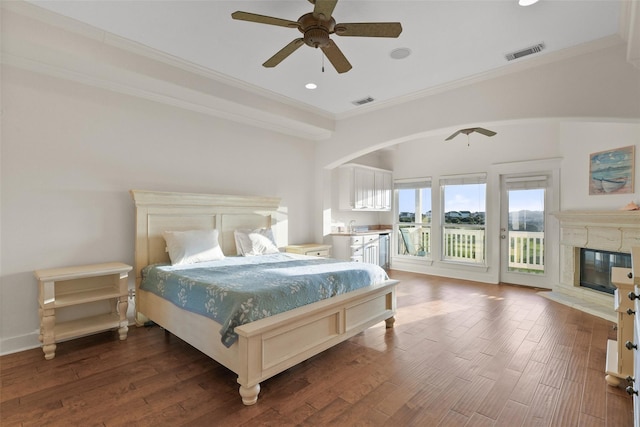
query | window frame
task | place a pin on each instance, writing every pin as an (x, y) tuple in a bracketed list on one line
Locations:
[(402, 239), (466, 243)]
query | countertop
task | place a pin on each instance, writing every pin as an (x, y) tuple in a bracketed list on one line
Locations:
[(362, 233)]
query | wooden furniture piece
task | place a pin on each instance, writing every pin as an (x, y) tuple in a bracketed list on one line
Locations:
[(313, 249), (620, 360), (71, 286), (632, 345), (265, 347)]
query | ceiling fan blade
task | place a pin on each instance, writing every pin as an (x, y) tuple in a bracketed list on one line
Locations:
[(369, 29), (283, 53), (453, 135), (336, 57), (323, 9), (483, 131), (467, 131), (261, 19)]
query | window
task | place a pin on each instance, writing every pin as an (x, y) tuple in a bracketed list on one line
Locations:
[(463, 218), (413, 223)]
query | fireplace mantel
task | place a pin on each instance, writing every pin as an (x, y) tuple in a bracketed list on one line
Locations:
[(608, 218), (616, 231)]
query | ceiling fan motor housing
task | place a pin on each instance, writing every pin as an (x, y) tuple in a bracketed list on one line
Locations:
[(316, 31)]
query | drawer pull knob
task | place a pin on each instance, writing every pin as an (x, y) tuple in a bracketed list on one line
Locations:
[(631, 391), (633, 296), (630, 312), (631, 346)]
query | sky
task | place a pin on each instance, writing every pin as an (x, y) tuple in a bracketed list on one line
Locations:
[(468, 198)]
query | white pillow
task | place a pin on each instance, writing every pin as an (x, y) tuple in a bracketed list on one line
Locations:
[(190, 247), (255, 242)]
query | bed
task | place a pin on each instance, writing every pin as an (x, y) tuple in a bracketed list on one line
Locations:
[(264, 347)]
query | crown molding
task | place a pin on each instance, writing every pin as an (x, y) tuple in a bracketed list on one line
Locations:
[(103, 62)]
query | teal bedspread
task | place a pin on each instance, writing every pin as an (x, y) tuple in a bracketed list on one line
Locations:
[(239, 290)]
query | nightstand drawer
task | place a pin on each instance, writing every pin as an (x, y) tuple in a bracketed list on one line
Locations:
[(311, 249), (322, 253)]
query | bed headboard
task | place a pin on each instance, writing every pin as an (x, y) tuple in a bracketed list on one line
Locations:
[(157, 212)]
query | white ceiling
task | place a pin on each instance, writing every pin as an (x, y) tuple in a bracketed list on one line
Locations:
[(449, 40)]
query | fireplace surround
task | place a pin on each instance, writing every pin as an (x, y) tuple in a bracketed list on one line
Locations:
[(613, 231)]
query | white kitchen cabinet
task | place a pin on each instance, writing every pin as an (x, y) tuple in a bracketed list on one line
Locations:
[(358, 248), (363, 188)]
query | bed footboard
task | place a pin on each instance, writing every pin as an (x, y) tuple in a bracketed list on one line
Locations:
[(271, 345)]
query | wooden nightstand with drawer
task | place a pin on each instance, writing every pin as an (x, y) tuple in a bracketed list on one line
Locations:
[(313, 249)]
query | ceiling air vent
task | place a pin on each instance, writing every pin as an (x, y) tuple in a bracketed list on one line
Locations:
[(524, 52), (363, 101)]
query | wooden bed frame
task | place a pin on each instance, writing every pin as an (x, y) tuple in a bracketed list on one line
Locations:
[(265, 347)]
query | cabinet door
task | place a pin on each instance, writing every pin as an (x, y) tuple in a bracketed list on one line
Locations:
[(371, 250), (364, 184), (383, 187)]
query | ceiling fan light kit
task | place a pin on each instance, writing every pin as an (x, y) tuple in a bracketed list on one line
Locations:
[(317, 28)]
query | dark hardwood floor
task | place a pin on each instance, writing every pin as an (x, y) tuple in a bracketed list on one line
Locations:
[(461, 354)]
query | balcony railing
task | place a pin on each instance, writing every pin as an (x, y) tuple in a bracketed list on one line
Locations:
[(526, 248), (461, 244)]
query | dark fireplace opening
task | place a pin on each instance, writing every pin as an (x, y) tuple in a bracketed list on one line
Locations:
[(596, 265)]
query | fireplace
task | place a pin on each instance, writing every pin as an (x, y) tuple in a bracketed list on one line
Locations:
[(596, 265), (601, 232)]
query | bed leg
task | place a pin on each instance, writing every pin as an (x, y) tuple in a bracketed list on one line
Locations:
[(249, 394), (389, 322)]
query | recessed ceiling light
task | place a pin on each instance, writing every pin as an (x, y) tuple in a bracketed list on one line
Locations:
[(527, 2), (400, 53), (311, 85)]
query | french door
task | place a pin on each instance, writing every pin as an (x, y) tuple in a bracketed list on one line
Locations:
[(524, 241)]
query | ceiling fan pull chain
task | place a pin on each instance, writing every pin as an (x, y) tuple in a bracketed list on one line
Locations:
[(322, 53)]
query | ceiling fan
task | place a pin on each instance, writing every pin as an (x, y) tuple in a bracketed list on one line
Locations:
[(316, 28), (467, 131)]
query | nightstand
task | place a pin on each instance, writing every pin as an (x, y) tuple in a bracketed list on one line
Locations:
[(59, 288), (313, 249)]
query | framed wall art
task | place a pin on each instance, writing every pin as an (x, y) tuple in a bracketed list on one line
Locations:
[(612, 171)]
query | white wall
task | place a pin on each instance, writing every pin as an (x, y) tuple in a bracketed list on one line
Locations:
[(577, 141), (70, 154)]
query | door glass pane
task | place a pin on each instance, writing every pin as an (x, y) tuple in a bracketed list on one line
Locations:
[(526, 231)]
